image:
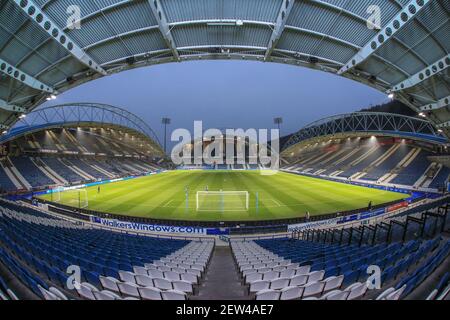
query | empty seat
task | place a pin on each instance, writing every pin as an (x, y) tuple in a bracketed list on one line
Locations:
[(299, 280), (183, 286), (162, 284), (333, 283), (127, 276), (313, 289), (128, 289), (357, 290), (279, 284), (259, 286), (144, 281), (149, 293), (109, 283), (173, 295), (291, 293), (268, 295)]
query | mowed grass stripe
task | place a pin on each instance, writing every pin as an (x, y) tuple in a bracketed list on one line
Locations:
[(282, 195)]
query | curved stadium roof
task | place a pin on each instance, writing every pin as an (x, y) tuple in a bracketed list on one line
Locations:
[(409, 54)]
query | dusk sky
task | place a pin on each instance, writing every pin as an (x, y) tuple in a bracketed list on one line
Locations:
[(227, 94)]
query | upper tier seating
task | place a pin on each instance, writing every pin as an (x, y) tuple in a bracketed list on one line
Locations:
[(62, 170), (442, 177), (31, 172), (414, 171), (5, 183)]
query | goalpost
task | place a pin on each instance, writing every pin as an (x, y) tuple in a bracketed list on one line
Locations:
[(222, 201), (72, 197)]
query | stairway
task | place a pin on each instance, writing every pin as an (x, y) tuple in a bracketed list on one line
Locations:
[(222, 281)]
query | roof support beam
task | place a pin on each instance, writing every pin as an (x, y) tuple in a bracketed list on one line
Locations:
[(34, 12), (283, 15), (384, 35), (10, 107), (444, 102), (21, 76), (423, 75), (444, 125), (164, 26)]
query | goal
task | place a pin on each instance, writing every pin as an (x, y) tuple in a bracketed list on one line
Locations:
[(72, 197), (222, 201)]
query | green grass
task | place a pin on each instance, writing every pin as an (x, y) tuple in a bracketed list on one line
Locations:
[(282, 195)]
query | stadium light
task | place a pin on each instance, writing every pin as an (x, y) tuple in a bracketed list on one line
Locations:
[(422, 115), (165, 122), (391, 96), (278, 121), (22, 116)]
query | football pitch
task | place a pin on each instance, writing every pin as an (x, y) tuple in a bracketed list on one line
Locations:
[(173, 195)]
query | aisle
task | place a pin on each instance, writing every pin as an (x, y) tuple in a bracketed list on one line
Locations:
[(222, 279)]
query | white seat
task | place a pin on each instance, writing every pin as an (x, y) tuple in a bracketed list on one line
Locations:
[(336, 295), (396, 294), (315, 276), (195, 272), (144, 281), (385, 293), (150, 266), (109, 283), (253, 277), (268, 295), (173, 295), (172, 276), (86, 292), (128, 289), (58, 293), (303, 270), (103, 295), (271, 275), (287, 273), (356, 290), (333, 283), (259, 286), (279, 284), (299, 280), (164, 268), (192, 278), (149, 293), (179, 270), (127, 276), (183, 286), (313, 289), (140, 271), (162, 284), (155, 274), (291, 293)]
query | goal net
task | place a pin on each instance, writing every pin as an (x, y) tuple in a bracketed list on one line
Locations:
[(222, 200), (73, 197)]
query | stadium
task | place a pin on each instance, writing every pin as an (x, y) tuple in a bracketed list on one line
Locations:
[(353, 206)]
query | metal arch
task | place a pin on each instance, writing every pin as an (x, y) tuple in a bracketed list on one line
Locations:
[(58, 34), (164, 26), (87, 112), (402, 18), (23, 77), (368, 122), (283, 14)]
